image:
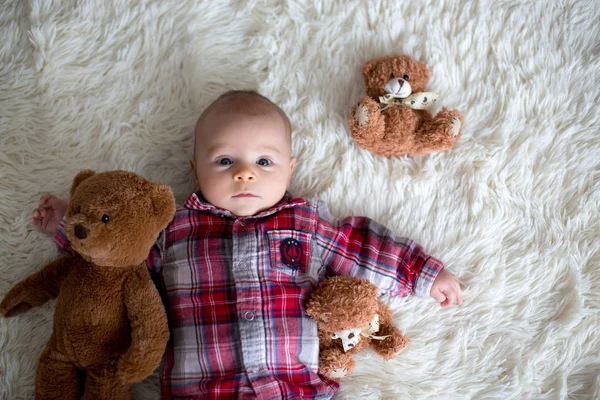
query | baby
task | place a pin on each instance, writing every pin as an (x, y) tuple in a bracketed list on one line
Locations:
[(241, 257)]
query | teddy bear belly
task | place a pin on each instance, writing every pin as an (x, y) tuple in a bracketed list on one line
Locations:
[(88, 343), (91, 325), (402, 122)]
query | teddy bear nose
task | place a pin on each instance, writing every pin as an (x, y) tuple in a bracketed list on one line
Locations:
[(80, 231)]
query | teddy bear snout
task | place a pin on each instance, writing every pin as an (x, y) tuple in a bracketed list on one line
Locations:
[(399, 87), (80, 231)]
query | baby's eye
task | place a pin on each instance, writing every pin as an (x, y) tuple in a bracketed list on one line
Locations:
[(225, 161), (264, 162)]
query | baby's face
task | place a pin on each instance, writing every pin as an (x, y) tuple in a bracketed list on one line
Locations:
[(243, 163)]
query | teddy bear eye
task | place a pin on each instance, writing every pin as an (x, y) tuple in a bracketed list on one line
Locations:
[(105, 218), (405, 77)]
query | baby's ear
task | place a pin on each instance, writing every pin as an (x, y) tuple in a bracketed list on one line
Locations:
[(80, 177), (163, 203)]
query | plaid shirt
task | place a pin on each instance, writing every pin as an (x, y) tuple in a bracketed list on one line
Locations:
[(235, 292)]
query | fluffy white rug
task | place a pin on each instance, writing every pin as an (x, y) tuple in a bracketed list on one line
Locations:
[(513, 209)]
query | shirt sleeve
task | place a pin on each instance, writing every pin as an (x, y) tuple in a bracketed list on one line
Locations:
[(60, 238), (153, 262), (155, 258), (360, 247)]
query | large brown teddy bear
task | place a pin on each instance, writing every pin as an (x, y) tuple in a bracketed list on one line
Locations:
[(349, 317), (109, 323), (392, 120)]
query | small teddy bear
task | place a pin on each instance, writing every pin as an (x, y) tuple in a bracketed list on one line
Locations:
[(349, 317), (110, 326), (392, 120)]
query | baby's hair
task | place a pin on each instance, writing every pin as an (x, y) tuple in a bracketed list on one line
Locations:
[(245, 102)]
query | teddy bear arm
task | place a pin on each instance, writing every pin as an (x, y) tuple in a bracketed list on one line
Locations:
[(438, 133), (367, 124), (395, 341), (38, 288), (334, 363), (149, 328)]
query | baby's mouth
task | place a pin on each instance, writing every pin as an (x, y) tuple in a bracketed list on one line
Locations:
[(244, 195)]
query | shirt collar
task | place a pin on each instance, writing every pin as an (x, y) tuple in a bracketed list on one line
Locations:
[(197, 202)]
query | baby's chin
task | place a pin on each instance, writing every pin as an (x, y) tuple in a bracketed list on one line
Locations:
[(247, 208), (246, 211)]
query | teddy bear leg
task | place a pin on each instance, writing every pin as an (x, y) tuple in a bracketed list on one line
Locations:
[(105, 383), (392, 345), (367, 124), (335, 364), (57, 378), (439, 133)]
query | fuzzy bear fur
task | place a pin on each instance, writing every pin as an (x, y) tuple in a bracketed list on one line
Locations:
[(110, 326), (344, 302), (400, 130)]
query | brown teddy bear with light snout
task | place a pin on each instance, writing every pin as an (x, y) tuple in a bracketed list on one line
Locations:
[(392, 119), (349, 317), (110, 326)]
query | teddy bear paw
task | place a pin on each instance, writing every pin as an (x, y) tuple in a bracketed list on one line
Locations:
[(455, 126), (361, 115), (338, 373)]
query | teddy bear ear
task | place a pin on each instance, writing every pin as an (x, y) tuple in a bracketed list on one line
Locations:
[(80, 177), (163, 203), (370, 66)]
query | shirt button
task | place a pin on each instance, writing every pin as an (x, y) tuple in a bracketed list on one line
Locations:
[(249, 316), (242, 223)]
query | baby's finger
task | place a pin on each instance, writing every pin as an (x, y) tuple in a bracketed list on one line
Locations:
[(438, 296), (36, 222), (459, 299), (45, 198), (451, 296), (35, 214), (45, 220)]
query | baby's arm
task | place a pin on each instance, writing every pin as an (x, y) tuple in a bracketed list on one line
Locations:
[(49, 217), (49, 213), (361, 247), (446, 289)]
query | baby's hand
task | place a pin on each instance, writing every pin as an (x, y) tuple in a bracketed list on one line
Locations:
[(49, 213), (446, 289)]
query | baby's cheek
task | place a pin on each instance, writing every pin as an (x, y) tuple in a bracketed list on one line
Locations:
[(212, 187)]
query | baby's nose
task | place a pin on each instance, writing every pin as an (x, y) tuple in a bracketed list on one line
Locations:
[(244, 174)]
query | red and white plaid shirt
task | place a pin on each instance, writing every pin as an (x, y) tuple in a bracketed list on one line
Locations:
[(235, 291)]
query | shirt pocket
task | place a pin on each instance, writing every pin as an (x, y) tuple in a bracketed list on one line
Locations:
[(289, 251)]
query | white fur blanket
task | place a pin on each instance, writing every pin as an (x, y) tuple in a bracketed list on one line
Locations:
[(513, 209)]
